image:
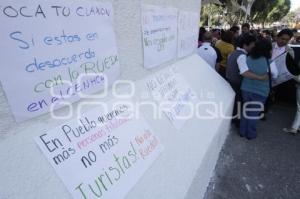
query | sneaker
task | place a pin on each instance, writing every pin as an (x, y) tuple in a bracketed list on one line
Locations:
[(290, 130)]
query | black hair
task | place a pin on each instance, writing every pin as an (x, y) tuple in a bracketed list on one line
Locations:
[(262, 48), (246, 25), (286, 32), (267, 32), (234, 29), (246, 39), (215, 30), (207, 36), (222, 31), (202, 30), (227, 36)]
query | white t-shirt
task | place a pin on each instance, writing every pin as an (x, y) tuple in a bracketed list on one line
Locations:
[(242, 61), (278, 51), (208, 53)]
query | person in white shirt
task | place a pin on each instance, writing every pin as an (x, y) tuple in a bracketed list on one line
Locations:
[(296, 124), (281, 44), (294, 69), (281, 47), (209, 53)]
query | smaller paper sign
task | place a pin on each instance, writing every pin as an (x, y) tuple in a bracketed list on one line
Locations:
[(174, 95), (102, 154), (188, 28), (159, 30)]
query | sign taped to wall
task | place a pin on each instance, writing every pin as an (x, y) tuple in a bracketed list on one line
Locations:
[(188, 29), (55, 52), (102, 154), (173, 94), (159, 31)]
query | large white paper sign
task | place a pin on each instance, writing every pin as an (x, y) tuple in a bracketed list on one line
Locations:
[(48, 47), (101, 155), (173, 94), (188, 28), (159, 26)]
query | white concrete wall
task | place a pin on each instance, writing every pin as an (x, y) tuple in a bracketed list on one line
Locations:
[(25, 172)]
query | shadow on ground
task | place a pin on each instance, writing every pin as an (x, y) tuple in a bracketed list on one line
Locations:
[(265, 168)]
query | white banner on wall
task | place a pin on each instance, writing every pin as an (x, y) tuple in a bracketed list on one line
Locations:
[(101, 155), (159, 31), (48, 47), (173, 94), (188, 29)]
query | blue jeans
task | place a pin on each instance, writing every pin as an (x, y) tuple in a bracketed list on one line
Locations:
[(253, 107)]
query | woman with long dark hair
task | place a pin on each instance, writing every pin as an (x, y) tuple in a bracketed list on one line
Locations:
[(255, 92)]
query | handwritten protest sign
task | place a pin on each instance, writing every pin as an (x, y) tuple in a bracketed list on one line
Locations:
[(188, 28), (102, 154), (54, 51), (159, 30), (173, 93)]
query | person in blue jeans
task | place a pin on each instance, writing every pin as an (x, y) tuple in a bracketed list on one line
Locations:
[(255, 92)]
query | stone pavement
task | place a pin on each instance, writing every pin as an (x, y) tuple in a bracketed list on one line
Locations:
[(265, 168)]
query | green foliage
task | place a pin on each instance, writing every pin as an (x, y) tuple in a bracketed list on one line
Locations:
[(210, 14), (216, 15), (289, 18), (262, 11), (269, 10)]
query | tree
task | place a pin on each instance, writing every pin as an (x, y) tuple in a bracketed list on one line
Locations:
[(280, 10), (292, 18), (211, 15), (269, 10), (235, 12), (238, 10)]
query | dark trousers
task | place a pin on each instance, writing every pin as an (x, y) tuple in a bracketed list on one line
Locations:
[(251, 114), (222, 71), (237, 109)]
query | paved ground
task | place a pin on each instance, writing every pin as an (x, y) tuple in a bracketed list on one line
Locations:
[(265, 168)]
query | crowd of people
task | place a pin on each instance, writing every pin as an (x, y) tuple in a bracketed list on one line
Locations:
[(246, 59)]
